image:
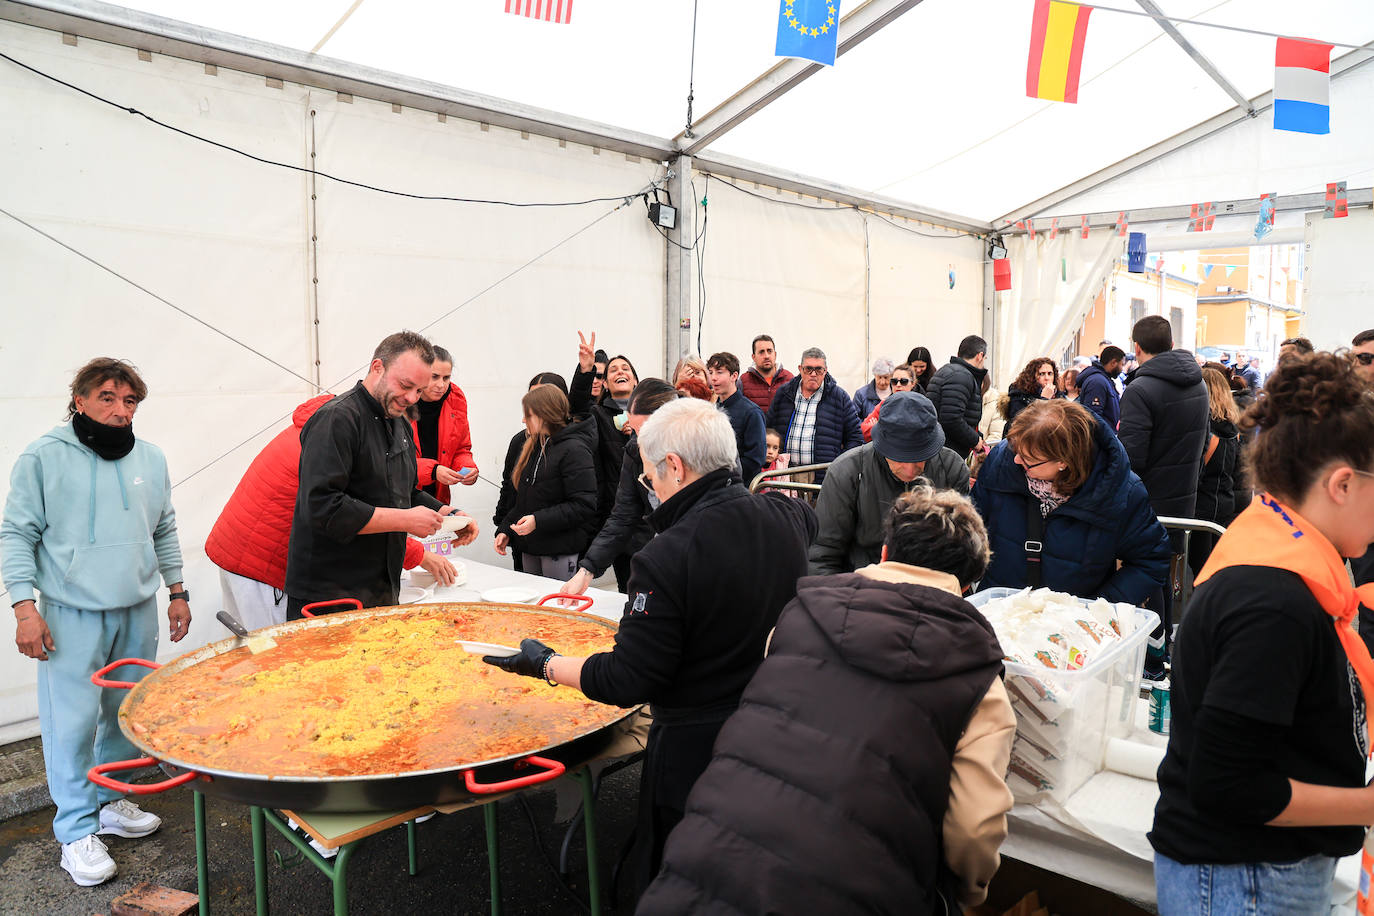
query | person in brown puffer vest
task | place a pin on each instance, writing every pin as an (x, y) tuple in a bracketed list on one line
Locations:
[(864, 769)]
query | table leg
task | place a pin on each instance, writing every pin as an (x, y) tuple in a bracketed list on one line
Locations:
[(259, 830), (584, 776), (493, 857), (338, 875), (202, 860), (410, 843)]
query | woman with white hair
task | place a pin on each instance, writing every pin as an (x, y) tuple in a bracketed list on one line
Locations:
[(876, 391), (702, 598)]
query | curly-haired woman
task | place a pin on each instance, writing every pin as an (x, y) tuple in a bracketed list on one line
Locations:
[(1263, 785), (1038, 381)]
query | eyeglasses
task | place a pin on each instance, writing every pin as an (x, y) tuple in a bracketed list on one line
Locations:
[(1364, 359), (645, 482), (1029, 466), (601, 376), (901, 381), (813, 370)]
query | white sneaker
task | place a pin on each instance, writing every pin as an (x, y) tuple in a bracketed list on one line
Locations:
[(123, 818), (88, 861)]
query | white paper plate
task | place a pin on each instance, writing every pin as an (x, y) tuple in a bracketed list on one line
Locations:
[(454, 523), (421, 578), (510, 594), (411, 594)]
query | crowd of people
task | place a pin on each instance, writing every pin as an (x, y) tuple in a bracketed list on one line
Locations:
[(929, 484)]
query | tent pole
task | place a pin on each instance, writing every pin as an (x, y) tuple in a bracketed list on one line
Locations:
[(677, 300)]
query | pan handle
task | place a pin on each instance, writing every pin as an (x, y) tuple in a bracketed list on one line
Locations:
[(99, 679), (563, 599), (305, 611), (96, 774), (551, 769)]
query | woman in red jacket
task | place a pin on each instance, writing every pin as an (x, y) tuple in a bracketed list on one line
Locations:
[(441, 434)]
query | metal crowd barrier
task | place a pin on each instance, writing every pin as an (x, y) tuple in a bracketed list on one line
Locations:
[(772, 481), (1180, 577)]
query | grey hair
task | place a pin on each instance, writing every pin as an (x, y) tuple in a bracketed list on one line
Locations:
[(813, 353), (693, 430), (882, 366), (940, 530)]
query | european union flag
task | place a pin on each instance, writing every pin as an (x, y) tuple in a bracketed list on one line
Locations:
[(807, 29)]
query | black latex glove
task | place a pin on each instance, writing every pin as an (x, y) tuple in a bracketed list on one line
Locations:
[(529, 661)]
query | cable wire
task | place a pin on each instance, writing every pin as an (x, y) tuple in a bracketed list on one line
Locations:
[(164, 301), (840, 207), (299, 168)]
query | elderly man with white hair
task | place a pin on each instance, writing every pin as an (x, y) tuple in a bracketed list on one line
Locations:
[(702, 598)]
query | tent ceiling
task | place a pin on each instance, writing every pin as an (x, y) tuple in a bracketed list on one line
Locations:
[(931, 109)]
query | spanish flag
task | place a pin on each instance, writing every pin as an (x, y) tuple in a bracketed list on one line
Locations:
[(1058, 31)]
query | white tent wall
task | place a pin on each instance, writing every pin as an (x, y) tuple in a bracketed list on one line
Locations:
[(476, 278), (1053, 281), (1337, 287), (228, 240), (798, 271)]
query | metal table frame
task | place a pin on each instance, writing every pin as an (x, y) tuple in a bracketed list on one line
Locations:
[(337, 869)]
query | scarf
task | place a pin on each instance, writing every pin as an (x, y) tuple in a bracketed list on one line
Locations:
[(1269, 533), (1044, 490), (109, 442)]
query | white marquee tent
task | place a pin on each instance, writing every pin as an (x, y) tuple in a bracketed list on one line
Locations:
[(240, 286)]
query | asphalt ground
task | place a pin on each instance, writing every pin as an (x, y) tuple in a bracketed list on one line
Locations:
[(452, 876)]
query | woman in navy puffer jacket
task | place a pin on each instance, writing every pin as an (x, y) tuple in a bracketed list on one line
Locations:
[(1059, 460)]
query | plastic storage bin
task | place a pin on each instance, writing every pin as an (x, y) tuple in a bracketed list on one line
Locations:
[(1064, 718)]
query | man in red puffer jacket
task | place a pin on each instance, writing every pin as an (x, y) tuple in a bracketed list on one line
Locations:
[(249, 540)]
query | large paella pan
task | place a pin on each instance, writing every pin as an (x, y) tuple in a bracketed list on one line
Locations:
[(370, 709)]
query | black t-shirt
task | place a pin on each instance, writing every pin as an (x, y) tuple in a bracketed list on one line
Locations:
[(427, 432), (1255, 645)]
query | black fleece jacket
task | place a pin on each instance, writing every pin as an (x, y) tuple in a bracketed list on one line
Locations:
[(702, 597), (557, 487)]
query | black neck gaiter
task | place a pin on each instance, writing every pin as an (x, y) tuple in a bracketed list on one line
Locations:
[(109, 442)]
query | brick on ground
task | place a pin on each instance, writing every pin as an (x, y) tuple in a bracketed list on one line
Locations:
[(154, 900)]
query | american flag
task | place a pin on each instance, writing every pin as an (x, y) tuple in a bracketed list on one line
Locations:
[(548, 10)]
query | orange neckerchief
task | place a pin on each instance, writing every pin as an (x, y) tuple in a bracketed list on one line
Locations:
[(1269, 533)]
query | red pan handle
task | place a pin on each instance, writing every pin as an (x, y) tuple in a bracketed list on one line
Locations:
[(551, 769), (96, 774), (99, 679), (357, 605), (583, 600)]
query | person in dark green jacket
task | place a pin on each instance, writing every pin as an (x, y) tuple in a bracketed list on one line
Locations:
[(908, 449)]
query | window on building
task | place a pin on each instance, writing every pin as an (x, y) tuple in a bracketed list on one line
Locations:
[(1137, 310), (1176, 323)]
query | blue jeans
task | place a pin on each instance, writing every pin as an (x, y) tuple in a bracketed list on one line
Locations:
[(80, 721), (1301, 888)]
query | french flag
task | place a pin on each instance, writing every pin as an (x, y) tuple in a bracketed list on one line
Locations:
[(1302, 86)]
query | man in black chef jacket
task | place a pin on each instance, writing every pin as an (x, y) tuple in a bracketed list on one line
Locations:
[(357, 499)]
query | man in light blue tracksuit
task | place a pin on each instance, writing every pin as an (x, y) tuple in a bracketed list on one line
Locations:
[(89, 524)]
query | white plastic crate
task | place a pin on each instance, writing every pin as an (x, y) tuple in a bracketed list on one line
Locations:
[(1064, 718)]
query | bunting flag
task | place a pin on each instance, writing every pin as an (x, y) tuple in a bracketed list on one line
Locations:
[(1201, 218), (1085, 226), (1058, 31), (807, 29), (1054, 228), (1207, 270), (1337, 205), (1121, 224), (1302, 86), (1230, 269), (547, 10), (1265, 224)]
